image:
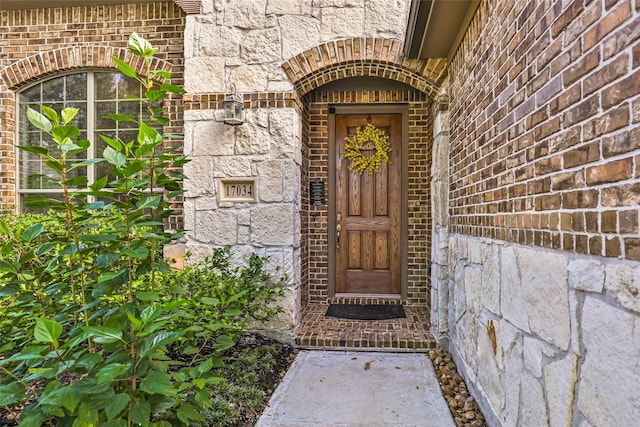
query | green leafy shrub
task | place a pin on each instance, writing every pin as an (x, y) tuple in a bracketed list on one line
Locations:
[(90, 333), (220, 299)]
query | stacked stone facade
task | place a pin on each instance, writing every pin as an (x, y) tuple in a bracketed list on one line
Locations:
[(541, 290), (40, 43), (279, 55)]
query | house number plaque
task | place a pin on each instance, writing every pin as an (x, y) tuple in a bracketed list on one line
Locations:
[(316, 193), (238, 190)]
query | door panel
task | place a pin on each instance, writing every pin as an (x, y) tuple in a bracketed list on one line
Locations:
[(368, 213)]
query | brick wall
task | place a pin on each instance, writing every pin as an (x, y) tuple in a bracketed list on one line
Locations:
[(418, 187), (544, 126), (37, 43)]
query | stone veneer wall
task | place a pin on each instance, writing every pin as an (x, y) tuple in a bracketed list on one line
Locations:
[(275, 53), (543, 280), (37, 43), (419, 164)]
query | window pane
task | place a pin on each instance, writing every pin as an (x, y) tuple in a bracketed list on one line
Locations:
[(23, 204), (106, 86), (105, 108), (28, 172), (31, 95), (76, 85), (53, 90), (80, 119)]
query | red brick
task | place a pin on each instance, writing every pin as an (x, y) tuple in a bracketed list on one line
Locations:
[(621, 91), (567, 16), (567, 180), (566, 98), (610, 172), (622, 195), (592, 221), (595, 245), (632, 248), (549, 202), (581, 68), (612, 247), (609, 222), (612, 120), (609, 22), (582, 155), (621, 143), (606, 75), (628, 221), (580, 199), (582, 111)]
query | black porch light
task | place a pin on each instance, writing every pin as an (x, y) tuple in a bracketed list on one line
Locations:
[(233, 106)]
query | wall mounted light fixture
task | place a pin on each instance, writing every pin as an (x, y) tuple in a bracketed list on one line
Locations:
[(233, 106)]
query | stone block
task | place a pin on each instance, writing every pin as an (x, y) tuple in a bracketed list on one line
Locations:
[(609, 377), (244, 232), (261, 46), (474, 250), (467, 341), (473, 289), (491, 278), (544, 284), (217, 41), (512, 299), (288, 7), (290, 181), (245, 14), (288, 319), (189, 214), (299, 33), (204, 74), (340, 23), (196, 252), (273, 225), (623, 283), (252, 138), (205, 203), (232, 166), (533, 408), (560, 379), (213, 138), (270, 174), (534, 353), (174, 254), (244, 216), (386, 18), (200, 180), (218, 227), (511, 340), (488, 373), (586, 274), (339, 3), (250, 77)]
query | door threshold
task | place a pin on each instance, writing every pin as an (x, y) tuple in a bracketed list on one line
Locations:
[(349, 298)]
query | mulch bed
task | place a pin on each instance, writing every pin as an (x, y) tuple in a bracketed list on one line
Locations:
[(462, 405)]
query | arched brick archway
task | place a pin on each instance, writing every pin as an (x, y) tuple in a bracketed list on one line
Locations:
[(36, 66), (361, 56)]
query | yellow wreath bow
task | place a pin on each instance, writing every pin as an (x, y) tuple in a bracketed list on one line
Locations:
[(369, 138)]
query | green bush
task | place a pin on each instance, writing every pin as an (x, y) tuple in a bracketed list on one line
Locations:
[(91, 333), (220, 299)]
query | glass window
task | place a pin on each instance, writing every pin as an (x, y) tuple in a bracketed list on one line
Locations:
[(95, 94)]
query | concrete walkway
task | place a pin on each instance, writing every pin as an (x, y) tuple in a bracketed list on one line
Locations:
[(333, 388)]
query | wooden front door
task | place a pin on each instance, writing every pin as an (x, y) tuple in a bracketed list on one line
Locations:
[(368, 213)]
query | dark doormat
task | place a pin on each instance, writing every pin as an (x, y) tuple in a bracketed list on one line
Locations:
[(366, 311)]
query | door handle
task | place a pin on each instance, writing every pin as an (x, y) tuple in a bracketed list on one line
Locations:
[(338, 229)]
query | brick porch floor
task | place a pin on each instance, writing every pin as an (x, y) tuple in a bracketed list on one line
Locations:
[(410, 334)]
